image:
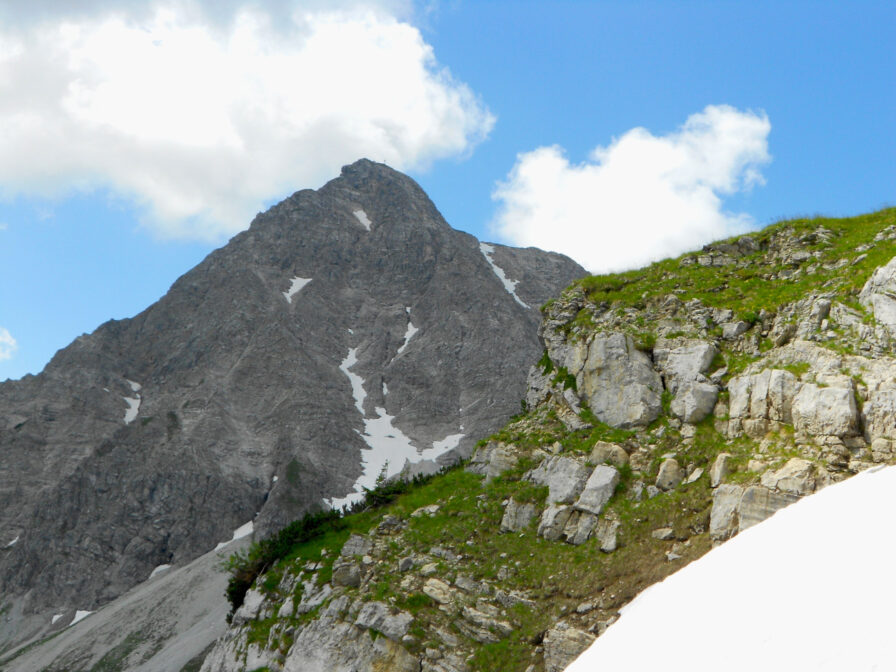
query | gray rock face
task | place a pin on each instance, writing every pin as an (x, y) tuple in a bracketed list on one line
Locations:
[(761, 398), (878, 295), (563, 644), (719, 469), (694, 401), (517, 515), (619, 382), (669, 475), (735, 509), (241, 401), (825, 411)]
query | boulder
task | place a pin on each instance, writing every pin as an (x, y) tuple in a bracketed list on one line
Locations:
[(684, 363), (356, 545), (797, 477), (517, 515), (719, 469), (347, 574), (598, 489), (250, 608), (492, 459), (438, 590), (732, 330), (694, 401), (609, 453), (553, 521), (563, 644), (879, 294), (564, 476), (606, 534), (670, 474), (619, 383), (825, 411), (759, 503), (766, 395), (378, 616), (880, 415), (723, 520), (579, 527)]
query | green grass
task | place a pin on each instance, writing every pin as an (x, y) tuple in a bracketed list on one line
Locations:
[(747, 288)]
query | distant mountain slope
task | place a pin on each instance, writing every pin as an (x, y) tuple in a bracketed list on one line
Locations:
[(349, 330)]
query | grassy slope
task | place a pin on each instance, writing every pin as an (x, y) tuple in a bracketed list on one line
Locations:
[(558, 576)]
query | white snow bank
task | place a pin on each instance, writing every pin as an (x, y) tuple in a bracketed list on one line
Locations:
[(158, 570), (13, 542), (510, 285), (296, 286), (80, 616), (409, 333), (238, 533), (361, 216), (136, 387), (808, 589), (388, 448), (55, 618)]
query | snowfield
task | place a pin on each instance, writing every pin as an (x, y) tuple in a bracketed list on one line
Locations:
[(811, 588)]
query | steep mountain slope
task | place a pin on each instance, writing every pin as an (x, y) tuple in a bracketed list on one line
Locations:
[(348, 333), (673, 407)]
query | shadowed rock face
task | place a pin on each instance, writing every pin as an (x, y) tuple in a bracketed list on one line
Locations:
[(150, 440)]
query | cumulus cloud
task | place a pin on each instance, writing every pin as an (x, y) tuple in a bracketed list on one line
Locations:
[(202, 112), (642, 197), (8, 345)]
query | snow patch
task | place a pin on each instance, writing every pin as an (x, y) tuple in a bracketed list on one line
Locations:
[(409, 332), (771, 586), (361, 216), (385, 389), (133, 402), (274, 480), (238, 533), (295, 287), (13, 542), (510, 285), (356, 381), (158, 570), (56, 618), (388, 448), (80, 616), (133, 409), (450, 442)]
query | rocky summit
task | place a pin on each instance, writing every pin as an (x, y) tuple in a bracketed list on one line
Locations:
[(347, 336)]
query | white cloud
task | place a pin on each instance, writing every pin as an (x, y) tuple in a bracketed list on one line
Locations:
[(642, 197), (201, 115), (8, 345)]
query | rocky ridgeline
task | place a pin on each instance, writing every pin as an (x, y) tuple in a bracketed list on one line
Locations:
[(659, 425)]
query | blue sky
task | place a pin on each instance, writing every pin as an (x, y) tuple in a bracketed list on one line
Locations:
[(617, 132)]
